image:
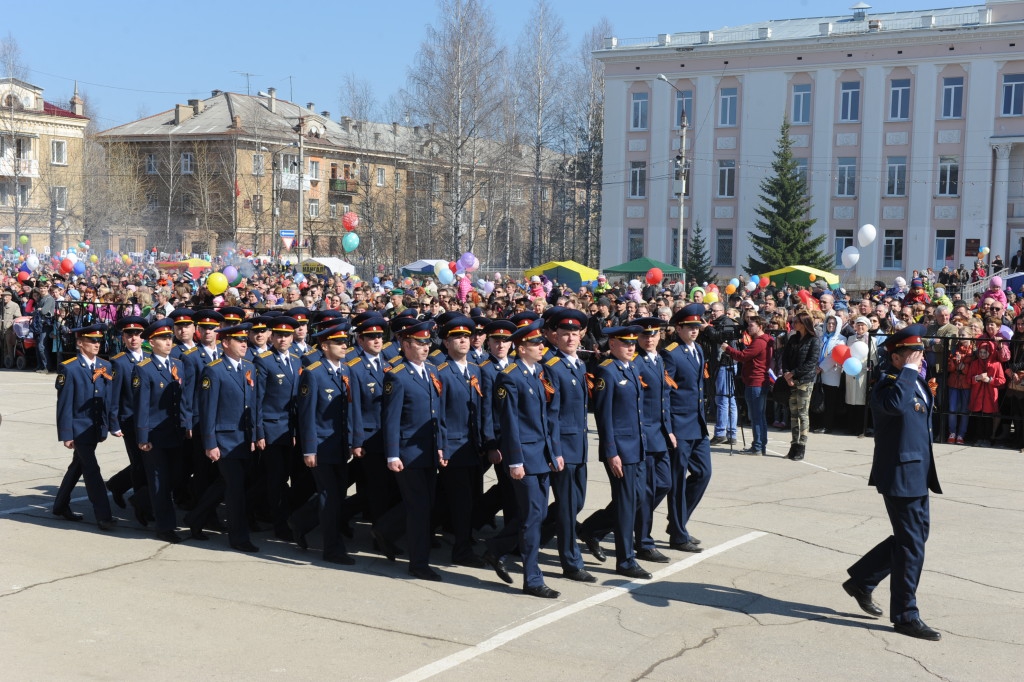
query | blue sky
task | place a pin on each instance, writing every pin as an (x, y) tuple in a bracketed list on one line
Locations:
[(134, 59)]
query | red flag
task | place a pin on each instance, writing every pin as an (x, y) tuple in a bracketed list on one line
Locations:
[(238, 192)]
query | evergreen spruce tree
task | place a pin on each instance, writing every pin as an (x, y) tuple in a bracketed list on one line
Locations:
[(698, 260), (786, 236)]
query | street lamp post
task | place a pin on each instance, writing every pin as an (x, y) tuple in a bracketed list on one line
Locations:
[(302, 197), (681, 168)]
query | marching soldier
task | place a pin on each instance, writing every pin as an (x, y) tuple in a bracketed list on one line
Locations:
[(301, 316), (132, 476), (194, 460), (184, 330), (86, 411), (501, 495), (259, 336), (477, 349)]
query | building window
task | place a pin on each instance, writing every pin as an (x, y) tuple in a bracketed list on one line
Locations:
[(899, 99), (801, 104), (188, 203), (896, 176), (637, 179), (728, 99), (636, 244), (435, 187), (545, 195), (382, 177), (289, 163), (258, 164), (684, 104), (1013, 94), (517, 194), (152, 202), (151, 166), (24, 192), (892, 249), (4, 197), (59, 152), (949, 176), (60, 198), (128, 245), (726, 178), (945, 244), (314, 208), (638, 120), (334, 211), (314, 170), (188, 163), (844, 238), (257, 203), (953, 97), (801, 171), (846, 184), (398, 180), (432, 216), (723, 248), (849, 107)]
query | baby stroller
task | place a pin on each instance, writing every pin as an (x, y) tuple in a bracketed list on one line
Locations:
[(23, 344)]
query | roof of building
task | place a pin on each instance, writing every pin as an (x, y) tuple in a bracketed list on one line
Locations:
[(54, 110)]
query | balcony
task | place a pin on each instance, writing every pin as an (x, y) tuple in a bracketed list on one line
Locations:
[(25, 168), (343, 186)]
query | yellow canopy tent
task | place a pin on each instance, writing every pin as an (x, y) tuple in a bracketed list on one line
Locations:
[(802, 275), (565, 272)]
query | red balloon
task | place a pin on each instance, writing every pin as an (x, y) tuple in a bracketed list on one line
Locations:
[(840, 354), (763, 282), (23, 276), (654, 276), (350, 221), (66, 266), (452, 265)]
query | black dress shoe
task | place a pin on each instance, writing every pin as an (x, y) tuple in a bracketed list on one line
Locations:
[(68, 515), (652, 555), (863, 597), (107, 524), (284, 534), (117, 496), (498, 564), (140, 516), (917, 628), (580, 575), (470, 561), (595, 547), (426, 573), (717, 440), (245, 547), (634, 572), (196, 533), (542, 591), (385, 546), (690, 546), (168, 536), (339, 558), (694, 540)]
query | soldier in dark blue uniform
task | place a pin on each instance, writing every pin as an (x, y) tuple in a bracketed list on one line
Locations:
[(184, 330), (326, 425), (691, 460), (86, 412), (277, 383), (526, 443), (196, 464), (300, 341), (414, 445), (321, 319), (461, 479), (502, 495), (229, 411), (903, 471), (259, 336), (477, 342), (132, 476), (232, 315), (160, 423)]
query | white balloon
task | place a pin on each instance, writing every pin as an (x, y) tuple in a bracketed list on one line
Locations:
[(850, 256), (859, 350), (751, 286), (866, 234), (33, 262), (72, 257)]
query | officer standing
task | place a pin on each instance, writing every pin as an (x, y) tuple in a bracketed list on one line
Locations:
[(194, 461), (86, 411), (160, 423), (903, 471), (132, 476), (501, 495)]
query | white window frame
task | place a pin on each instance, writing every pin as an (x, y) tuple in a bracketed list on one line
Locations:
[(257, 203), (635, 244), (724, 256), (60, 197), (58, 152), (333, 211), (23, 195), (728, 105), (953, 97), (1013, 94), (314, 208), (949, 176), (188, 163), (684, 102), (899, 99), (152, 167), (726, 186), (892, 250), (188, 203), (398, 180), (639, 118), (945, 241), (152, 201), (259, 164), (801, 114), (846, 176), (803, 170), (843, 239), (314, 170), (849, 107), (637, 179), (382, 177), (896, 176)]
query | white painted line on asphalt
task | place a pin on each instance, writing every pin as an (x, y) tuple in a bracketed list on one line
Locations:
[(503, 638), (42, 506)]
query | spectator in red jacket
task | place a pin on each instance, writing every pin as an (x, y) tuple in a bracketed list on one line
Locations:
[(756, 357), (986, 374)]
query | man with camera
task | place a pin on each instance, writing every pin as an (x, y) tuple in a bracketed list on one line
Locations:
[(722, 329)]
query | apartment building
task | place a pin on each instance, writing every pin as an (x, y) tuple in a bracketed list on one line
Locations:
[(910, 121), (41, 162)]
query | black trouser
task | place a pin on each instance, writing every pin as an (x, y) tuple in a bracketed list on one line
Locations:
[(133, 476), (160, 464), (417, 486), (458, 485), (230, 487), (271, 486), (84, 465), (331, 482)]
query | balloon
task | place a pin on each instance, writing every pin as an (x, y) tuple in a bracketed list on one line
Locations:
[(32, 262), (850, 256), (466, 261), (859, 350), (72, 257), (299, 278), (81, 245), (764, 282), (475, 265), (734, 282), (445, 276), (73, 293), (231, 273), (66, 266), (812, 277), (751, 286), (634, 284), (439, 266), (79, 268), (711, 287), (654, 276), (23, 276), (88, 243), (488, 288), (866, 234), (128, 259), (407, 282), (94, 258), (217, 283), (730, 289), (453, 266), (350, 220), (497, 277), (840, 354), (350, 242), (376, 280), (985, 250), (852, 366), (711, 297), (23, 239)]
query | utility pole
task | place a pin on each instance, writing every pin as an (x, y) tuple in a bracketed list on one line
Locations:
[(302, 196), (680, 176)]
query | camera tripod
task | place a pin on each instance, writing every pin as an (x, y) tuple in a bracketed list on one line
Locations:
[(730, 394)]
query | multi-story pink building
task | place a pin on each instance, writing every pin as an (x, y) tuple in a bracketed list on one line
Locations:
[(910, 121)]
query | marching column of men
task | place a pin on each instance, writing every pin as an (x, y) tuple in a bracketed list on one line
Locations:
[(223, 409)]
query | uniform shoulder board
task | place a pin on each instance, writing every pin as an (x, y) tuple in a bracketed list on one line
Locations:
[(354, 361), (395, 360), (892, 376), (442, 365), (119, 355), (70, 361), (310, 351), (145, 362), (386, 345), (397, 368), (266, 353), (553, 361), (485, 362), (434, 353), (191, 350), (672, 346), (312, 366), (607, 362), (215, 362), (508, 370)]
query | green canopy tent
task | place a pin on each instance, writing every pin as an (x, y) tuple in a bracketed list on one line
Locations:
[(639, 266)]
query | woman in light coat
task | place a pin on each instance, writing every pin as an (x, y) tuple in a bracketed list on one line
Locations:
[(830, 372), (857, 386)]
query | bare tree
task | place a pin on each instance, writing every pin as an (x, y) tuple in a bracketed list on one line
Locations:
[(356, 98), (115, 194), (13, 151), (210, 187)]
